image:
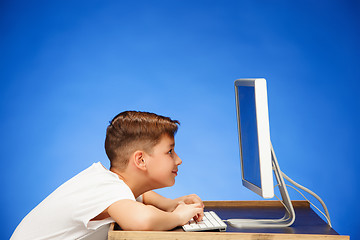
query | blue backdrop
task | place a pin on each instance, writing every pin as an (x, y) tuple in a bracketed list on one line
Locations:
[(68, 67)]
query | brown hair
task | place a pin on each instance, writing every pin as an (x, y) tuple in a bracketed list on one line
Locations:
[(131, 130)]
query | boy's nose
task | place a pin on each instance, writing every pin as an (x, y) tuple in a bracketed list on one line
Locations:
[(178, 160)]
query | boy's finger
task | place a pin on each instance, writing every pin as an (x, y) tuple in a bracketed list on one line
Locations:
[(199, 218), (197, 205), (196, 199), (201, 215)]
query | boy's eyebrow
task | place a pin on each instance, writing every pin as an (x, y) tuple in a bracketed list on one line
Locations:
[(172, 145)]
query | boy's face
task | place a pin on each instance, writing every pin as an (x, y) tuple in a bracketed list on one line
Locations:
[(162, 164)]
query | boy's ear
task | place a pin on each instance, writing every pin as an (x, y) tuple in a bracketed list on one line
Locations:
[(139, 160)]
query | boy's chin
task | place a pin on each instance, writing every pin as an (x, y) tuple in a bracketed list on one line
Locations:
[(170, 184), (164, 185)]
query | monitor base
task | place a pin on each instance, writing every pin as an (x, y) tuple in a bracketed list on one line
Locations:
[(289, 216)]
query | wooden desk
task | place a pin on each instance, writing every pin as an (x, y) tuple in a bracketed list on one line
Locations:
[(307, 225)]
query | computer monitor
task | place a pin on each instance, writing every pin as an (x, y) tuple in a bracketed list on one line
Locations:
[(258, 160), (254, 136)]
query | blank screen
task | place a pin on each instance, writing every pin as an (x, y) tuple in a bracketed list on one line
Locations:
[(249, 135)]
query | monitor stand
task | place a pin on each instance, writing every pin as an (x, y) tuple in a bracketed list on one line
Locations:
[(289, 216)]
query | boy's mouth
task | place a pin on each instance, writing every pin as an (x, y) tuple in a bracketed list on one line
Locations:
[(175, 172)]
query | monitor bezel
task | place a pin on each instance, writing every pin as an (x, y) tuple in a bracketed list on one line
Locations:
[(262, 122)]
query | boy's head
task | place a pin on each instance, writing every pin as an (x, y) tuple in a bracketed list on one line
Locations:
[(130, 131)]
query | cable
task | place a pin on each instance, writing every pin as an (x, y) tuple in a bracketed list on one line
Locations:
[(327, 215), (298, 185), (327, 219)]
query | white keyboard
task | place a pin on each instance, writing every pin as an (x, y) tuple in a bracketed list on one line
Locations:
[(211, 221)]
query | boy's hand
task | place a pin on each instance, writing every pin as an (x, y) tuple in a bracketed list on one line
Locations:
[(169, 205), (189, 199), (193, 199), (187, 211)]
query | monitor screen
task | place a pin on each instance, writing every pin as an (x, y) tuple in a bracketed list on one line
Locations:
[(254, 136), (249, 134)]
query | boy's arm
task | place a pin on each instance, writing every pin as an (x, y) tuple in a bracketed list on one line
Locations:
[(132, 215), (167, 204)]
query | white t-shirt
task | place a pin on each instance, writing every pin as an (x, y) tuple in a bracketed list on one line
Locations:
[(66, 213)]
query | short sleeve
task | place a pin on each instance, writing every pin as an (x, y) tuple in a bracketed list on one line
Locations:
[(99, 198)]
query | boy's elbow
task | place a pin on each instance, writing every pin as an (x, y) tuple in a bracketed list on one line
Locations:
[(140, 226), (145, 222), (146, 226)]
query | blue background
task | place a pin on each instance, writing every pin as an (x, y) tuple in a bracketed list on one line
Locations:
[(68, 67)]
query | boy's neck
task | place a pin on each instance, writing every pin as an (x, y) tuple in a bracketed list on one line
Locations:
[(135, 184)]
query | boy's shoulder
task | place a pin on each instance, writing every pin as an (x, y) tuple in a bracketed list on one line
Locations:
[(97, 175), (95, 182)]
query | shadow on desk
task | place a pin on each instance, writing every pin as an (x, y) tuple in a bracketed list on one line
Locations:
[(307, 225)]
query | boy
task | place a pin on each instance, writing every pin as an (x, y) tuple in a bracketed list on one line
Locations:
[(140, 147)]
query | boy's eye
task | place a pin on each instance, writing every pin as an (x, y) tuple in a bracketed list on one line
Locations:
[(171, 151)]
